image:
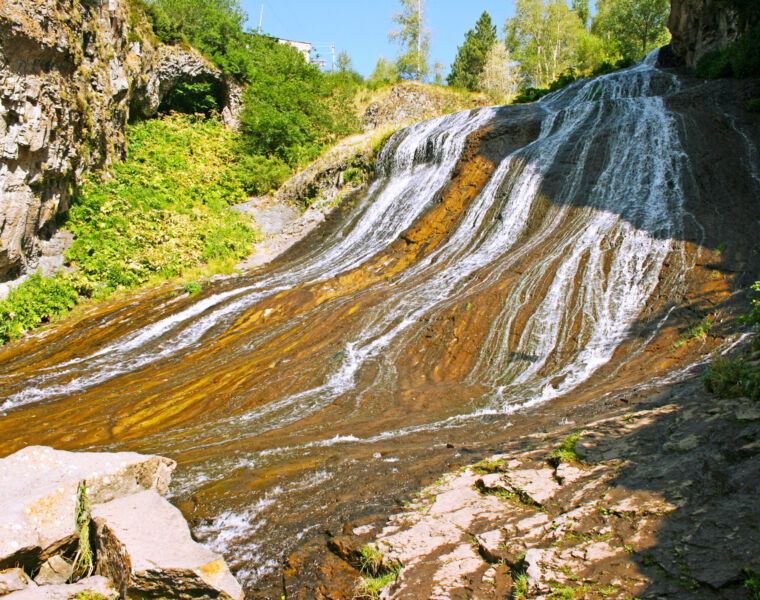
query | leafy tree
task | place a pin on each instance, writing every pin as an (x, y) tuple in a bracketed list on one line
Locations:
[(344, 62), (413, 38), (499, 79), (635, 27), (290, 108), (471, 56), (385, 72), (580, 8), (543, 37), (438, 69)]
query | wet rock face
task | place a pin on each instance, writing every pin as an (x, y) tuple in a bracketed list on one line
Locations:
[(69, 71), (702, 26)]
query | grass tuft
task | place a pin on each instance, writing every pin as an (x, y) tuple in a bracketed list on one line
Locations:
[(83, 561), (566, 451)]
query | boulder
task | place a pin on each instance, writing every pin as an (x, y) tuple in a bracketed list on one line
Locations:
[(38, 496), (144, 546), (12, 580), (55, 571), (89, 586)]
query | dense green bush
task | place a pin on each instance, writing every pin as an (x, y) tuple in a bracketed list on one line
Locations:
[(194, 97), (37, 300), (163, 211), (262, 174), (733, 378), (290, 108), (739, 59)]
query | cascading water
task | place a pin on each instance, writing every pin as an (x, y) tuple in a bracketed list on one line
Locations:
[(502, 258)]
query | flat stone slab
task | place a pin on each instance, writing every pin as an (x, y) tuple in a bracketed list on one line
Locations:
[(38, 495), (13, 580), (91, 585), (144, 546)]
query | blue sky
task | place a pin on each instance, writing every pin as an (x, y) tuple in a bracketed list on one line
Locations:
[(361, 27)]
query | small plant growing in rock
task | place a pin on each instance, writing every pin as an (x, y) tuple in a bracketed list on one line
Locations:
[(752, 584), (83, 561), (521, 587), (485, 467), (566, 451), (376, 575), (192, 288), (372, 559)]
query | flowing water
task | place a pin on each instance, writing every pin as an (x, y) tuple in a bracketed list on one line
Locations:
[(503, 257)]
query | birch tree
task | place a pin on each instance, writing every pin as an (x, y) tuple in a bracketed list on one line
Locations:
[(499, 79), (413, 38), (636, 26), (542, 37)]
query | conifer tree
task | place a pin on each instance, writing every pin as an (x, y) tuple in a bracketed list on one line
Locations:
[(471, 56)]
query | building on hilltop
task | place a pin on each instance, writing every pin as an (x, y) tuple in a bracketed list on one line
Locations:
[(303, 47)]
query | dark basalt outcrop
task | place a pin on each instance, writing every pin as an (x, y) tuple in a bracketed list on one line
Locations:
[(71, 74), (702, 26)]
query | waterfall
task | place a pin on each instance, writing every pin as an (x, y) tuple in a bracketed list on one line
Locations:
[(503, 257)]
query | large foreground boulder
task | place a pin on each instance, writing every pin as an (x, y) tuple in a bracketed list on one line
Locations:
[(144, 546), (67, 514), (39, 499)]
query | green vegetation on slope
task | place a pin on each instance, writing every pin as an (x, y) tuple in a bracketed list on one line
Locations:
[(291, 110), (739, 59), (741, 376), (161, 214)]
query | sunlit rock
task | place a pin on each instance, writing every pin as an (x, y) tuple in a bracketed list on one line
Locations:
[(38, 495), (144, 546)]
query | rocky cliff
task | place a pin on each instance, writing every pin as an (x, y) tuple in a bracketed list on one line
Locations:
[(71, 72), (702, 26)]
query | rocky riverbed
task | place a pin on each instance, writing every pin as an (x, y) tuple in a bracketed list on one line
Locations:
[(654, 498)]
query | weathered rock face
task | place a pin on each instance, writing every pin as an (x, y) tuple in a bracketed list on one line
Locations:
[(70, 72), (144, 546), (139, 543), (38, 495), (702, 26)]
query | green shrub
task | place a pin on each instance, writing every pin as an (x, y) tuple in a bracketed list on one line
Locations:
[(37, 300), (161, 213), (262, 174), (192, 288), (732, 378), (164, 210), (739, 59), (566, 450), (290, 109), (204, 97), (752, 583), (753, 105)]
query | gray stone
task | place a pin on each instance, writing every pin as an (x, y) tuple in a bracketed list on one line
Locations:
[(144, 546), (54, 571), (12, 580), (38, 495), (748, 413), (702, 26), (92, 585)]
